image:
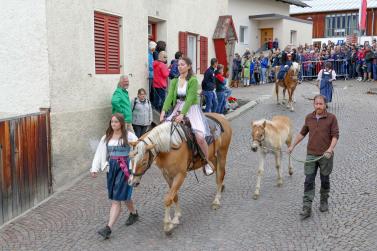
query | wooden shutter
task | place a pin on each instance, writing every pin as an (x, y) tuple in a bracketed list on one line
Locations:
[(182, 42), (203, 54), (106, 43)]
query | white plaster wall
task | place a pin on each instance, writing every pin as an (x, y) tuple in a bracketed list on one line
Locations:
[(304, 32), (242, 9), (183, 15), (24, 86), (80, 98)]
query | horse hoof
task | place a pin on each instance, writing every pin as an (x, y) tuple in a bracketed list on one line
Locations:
[(168, 228), (290, 173), (279, 184), (255, 196), (215, 206)]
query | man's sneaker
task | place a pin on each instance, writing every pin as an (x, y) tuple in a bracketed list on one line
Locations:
[(207, 170), (132, 218), (306, 213), (324, 206), (105, 232)]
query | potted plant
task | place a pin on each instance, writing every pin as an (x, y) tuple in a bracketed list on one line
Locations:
[(233, 104)]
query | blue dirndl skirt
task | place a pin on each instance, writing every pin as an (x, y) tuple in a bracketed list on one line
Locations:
[(117, 186)]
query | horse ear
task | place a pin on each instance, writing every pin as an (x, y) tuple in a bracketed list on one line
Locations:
[(264, 124), (132, 143), (149, 147)]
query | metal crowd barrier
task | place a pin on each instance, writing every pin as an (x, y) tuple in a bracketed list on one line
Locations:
[(310, 69)]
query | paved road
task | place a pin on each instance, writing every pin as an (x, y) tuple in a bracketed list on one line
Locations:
[(70, 219)]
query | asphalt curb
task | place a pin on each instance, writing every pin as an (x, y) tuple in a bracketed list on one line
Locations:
[(241, 110)]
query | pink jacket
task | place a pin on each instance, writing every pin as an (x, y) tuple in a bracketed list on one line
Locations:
[(160, 74)]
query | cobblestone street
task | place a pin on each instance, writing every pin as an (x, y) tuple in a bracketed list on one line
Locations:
[(70, 220)]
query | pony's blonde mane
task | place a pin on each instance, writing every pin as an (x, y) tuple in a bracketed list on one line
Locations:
[(160, 136)]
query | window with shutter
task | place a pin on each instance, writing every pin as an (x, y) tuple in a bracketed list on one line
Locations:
[(203, 54), (182, 42), (106, 43)]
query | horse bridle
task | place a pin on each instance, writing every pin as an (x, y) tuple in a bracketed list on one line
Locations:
[(151, 158)]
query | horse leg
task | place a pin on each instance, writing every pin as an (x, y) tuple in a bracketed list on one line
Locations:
[(277, 92), (289, 142), (290, 101), (169, 199), (177, 211), (262, 157), (220, 174), (278, 165)]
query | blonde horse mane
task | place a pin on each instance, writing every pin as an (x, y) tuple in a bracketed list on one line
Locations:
[(163, 139)]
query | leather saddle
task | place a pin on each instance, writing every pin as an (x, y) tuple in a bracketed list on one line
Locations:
[(215, 129)]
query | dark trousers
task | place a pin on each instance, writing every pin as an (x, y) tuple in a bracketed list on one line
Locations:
[(151, 91), (325, 166), (159, 98), (139, 130), (211, 101)]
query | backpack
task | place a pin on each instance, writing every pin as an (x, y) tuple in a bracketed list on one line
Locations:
[(133, 107), (174, 72)]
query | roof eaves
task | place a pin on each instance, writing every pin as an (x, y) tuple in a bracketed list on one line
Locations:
[(294, 2)]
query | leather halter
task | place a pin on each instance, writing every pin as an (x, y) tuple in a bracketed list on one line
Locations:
[(151, 158)]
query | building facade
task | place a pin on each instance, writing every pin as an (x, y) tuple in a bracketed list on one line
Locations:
[(258, 21), (337, 19), (68, 57)]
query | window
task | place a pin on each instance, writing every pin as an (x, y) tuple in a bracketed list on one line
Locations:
[(191, 50), (188, 45), (341, 25), (107, 43), (293, 37), (243, 34)]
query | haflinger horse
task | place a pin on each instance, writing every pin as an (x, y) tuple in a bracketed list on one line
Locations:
[(167, 145), (289, 83), (269, 136)]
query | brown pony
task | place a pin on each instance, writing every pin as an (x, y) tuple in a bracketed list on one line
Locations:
[(167, 146), (289, 83)]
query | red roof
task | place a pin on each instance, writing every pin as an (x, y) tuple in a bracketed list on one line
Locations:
[(225, 29)]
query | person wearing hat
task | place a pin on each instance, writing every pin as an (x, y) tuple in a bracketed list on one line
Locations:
[(151, 48)]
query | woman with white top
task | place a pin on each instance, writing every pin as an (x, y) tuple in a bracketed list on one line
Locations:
[(112, 156), (183, 96)]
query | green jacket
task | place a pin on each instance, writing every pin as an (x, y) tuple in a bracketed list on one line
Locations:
[(121, 103), (191, 95)]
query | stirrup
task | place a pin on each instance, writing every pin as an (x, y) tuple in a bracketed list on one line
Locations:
[(207, 170)]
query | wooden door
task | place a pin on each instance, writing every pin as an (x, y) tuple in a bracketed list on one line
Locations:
[(266, 35)]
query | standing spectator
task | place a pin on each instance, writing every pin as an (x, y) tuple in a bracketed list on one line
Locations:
[(112, 156), (142, 116), (269, 44), (275, 44), (264, 67), (323, 130), (160, 80), (326, 77), (369, 62), (236, 70), (220, 88), (208, 87), (174, 72), (374, 62), (257, 71), (152, 48), (246, 71), (120, 101), (161, 46)]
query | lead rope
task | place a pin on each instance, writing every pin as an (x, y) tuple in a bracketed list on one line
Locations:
[(294, 158)]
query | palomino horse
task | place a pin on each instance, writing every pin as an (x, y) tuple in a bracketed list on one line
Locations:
[(289, 83), (269, 136), (167, 145)]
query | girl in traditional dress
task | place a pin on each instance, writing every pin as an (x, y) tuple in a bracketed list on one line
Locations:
[(112, 156), (183, 96), (326, 77)]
